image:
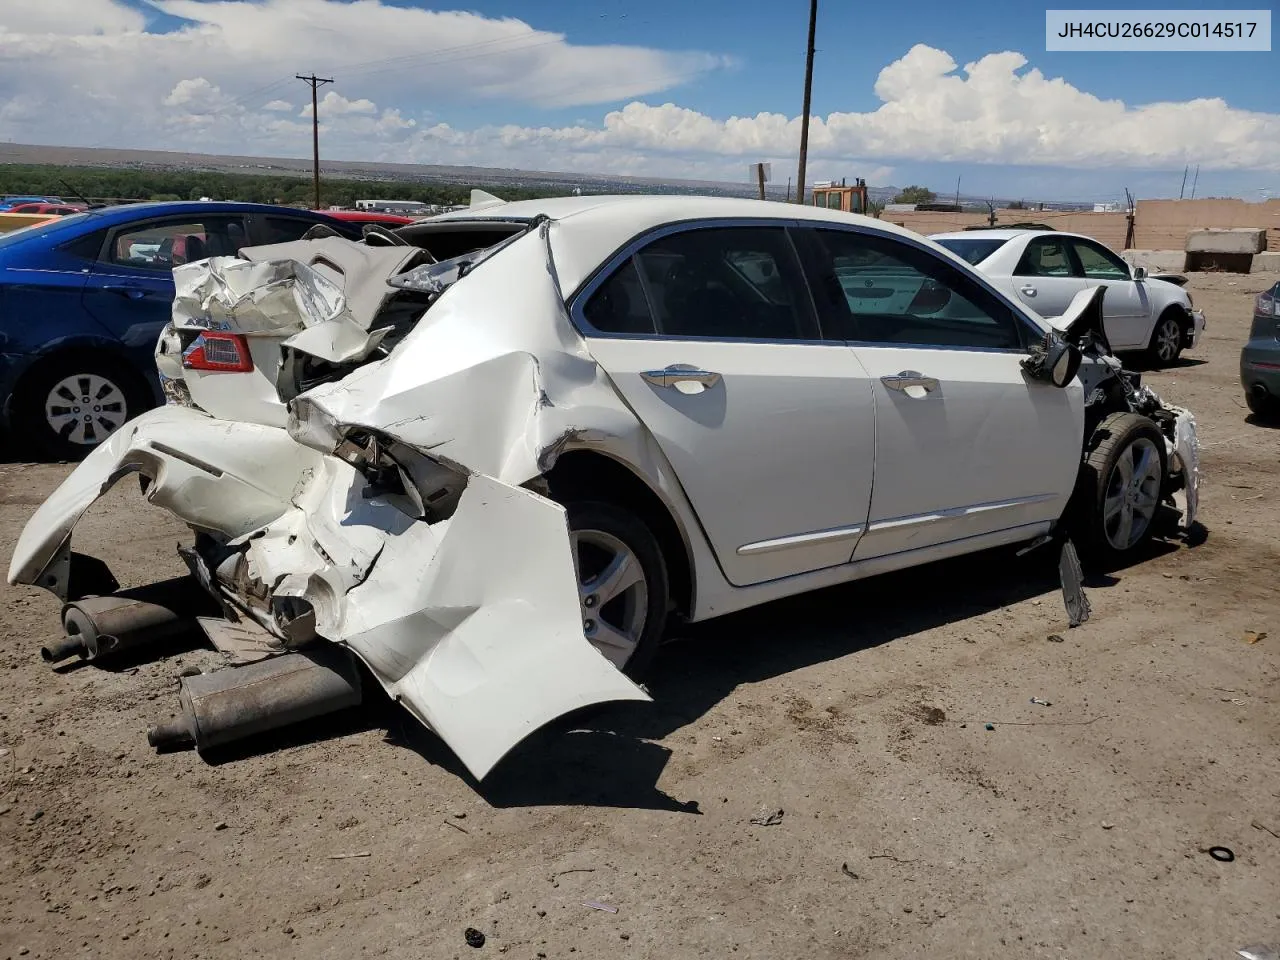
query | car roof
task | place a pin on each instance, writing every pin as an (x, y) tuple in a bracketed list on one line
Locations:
[(592, 228)]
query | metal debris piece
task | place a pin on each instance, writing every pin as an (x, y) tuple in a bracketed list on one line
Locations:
[(1055, 638), (1260, 951), (597, 905), (1042, 703), (844, 868), (1259, 825), (1072, 577), (771, 819), (349, 856), (1221, 854)]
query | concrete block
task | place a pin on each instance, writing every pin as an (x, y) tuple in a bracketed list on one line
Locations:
[(1265, 263), (1156, 261), (1239, 240)]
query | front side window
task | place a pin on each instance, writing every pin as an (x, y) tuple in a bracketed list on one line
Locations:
[(874, 289), (163, 246), (726, 283), (1100, 263), (1046, 257)]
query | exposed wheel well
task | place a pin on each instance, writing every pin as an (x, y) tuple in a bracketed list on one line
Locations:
[(585, 474)]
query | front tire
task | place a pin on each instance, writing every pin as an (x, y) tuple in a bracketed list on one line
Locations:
[(68, 405), (1167, 340), (1122, 480), (622, 583)]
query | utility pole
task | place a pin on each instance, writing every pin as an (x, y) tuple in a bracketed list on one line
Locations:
[(957, 191), (1130, 215), (1194, 181), (1183, 189), (315, 83), (808, 89)]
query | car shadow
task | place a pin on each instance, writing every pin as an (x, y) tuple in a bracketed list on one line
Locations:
[(607, 756), (1141, 364), (1266, 421)]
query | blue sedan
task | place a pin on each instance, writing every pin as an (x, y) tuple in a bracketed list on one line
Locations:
[(83, 299)]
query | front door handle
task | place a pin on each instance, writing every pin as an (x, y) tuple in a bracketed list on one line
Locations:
[(125, 290), (671, 376), (910, 378), (1028, 289)]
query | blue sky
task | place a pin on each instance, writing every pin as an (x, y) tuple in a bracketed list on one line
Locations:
[(713, 59)]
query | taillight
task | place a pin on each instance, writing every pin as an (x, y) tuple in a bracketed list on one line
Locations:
[(1265, 305), (214, 350)]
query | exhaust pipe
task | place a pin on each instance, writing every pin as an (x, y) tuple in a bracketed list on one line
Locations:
[(238, 702), (1259, 392), (99, 626)]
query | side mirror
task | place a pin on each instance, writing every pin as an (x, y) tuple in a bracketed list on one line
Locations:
[(1054, 360), (1139, 273)]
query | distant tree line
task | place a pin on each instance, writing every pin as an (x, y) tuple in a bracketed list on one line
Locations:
[(147, 184)]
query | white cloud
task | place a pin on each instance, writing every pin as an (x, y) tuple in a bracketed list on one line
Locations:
[(335, 104), (216, 84)]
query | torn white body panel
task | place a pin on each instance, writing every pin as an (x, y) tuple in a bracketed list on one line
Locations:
[(472, 623), (218, 476)]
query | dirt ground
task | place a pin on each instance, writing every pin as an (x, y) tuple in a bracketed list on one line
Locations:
[(909, 829)]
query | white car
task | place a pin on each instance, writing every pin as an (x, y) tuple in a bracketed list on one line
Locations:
[(493, 478), (1044, 269)]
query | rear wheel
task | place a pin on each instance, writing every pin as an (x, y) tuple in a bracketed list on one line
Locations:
[(1166, 340), (622, 583), (1123, 480), (70, 404), (1261, 403)]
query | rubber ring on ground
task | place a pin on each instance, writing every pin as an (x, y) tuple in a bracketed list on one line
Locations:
[(1224, 854)]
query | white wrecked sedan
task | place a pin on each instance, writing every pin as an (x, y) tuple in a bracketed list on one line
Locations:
[(493, 460)]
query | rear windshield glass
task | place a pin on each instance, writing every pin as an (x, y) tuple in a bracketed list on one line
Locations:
[(973, 251)]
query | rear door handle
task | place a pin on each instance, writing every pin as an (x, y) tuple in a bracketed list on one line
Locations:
[(1028, 289), (910, 378), (673, 375)]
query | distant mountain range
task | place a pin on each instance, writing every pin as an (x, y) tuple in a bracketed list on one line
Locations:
[(416, 173)]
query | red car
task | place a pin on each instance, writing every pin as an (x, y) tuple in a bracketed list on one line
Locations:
[(361, 218), (59, 209)]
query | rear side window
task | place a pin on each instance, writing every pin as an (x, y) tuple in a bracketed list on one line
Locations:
[(619, 304), (972, 251), (87, 247), (163, 246), (1046, 257), (287, 229), (726, 283)]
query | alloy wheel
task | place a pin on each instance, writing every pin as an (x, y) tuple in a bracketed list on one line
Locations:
[(85, 409), (1133, 494), (612, 593), (1168, 338)]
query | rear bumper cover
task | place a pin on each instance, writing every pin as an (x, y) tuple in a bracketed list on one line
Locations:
[(472, 623)]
